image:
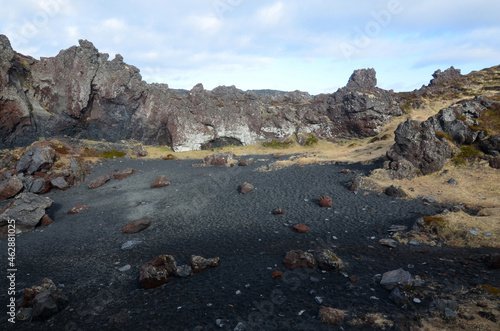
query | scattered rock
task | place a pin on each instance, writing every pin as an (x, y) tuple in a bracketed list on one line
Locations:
[(218, 159), (397, 228), (122, 174), (137, 225), (299, 259), (495, 163), (331, 315), (60, 183), (246, 187), (139, 151), (39, 185), (277, 274), (156, 272), (357, 183), (99, 181), (27, 209), (396, 192), (443, 304), (161, 181), (325, 201), (77, 209), (46, 300), (278, 211), (9, 188), (388, 242), (452, 182), (131, 244), (168, 157), (46, 220), (245, 162), (346, 171), (301, 228), (126, 267), (450, 314), (392, 279), (327, 260), (199, 263), (35, 159)]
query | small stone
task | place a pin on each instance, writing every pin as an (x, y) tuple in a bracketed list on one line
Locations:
[(59, 183), (137, 225), (325, 201), (99, 181), (184, 271), (452, 182), (487, 234), (199, 263), (301, 228), (122, 174), (395, 192), (277, 274), (327, 260), (397, 228), (246, 188), (414, 243), (240, 327), (450, 314), (219, 323), (473, 232), (131, 243), (417, 300), (394, 278), (156, 272), (299, 259), (77, 209), (388, 242), (125, 268), (278, 211), (9, 188), (161, 181), (46, 220), (318, 300)]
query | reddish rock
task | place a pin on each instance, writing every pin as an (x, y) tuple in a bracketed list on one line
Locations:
[(277, 274), (299, 259), (246, 187), (46, 220), (156, 272), (122, 174), (9, 188), (301, 228), (325, 201), (30, 293), (161, 181), (77, 209), (218, 159), (99, 181), (137, 225), (199, 263)]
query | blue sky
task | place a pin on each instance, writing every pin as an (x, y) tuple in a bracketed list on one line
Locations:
[(309, 45)]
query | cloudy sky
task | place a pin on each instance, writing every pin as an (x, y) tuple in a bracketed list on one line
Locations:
[(311, 45)]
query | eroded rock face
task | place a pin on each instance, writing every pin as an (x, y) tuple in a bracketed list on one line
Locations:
[(81, 93)]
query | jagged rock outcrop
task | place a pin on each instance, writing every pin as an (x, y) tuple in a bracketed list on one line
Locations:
[(81, 94), (424, 147)]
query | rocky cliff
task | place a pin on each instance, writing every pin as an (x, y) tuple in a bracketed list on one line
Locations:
[(81, 93)]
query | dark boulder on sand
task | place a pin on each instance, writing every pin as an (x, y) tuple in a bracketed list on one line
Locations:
[(394, 191), (199, 263), (45, 300), (35, 159), (156, 272), (328, 260), (299, 259), (246, 188)]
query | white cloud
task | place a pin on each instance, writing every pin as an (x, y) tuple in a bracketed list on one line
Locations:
[(271, 15)]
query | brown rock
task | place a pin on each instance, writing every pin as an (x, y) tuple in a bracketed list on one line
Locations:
[(9, 188), (299, 259), (325, 201), (46, 220), (99, 181), (218, 159), (277, 274), (169, 157), (301, 228), (161, 181), (246, 187), (495, 163), (328, 260), (122, 174), (331, 315), (139, 150), (278, 211), (137, 225), (77, 209), (156, 272), (199, 263)]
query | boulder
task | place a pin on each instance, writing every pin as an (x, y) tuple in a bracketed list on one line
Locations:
[(218, 159), (99, 181), (495, 163), (60, 183), (9, 188), (491, 145), (199, 263), (27, 209), (327, 260), (137, 225), (122, 174), (394, 191), (39, 185), (161, 181), (156, 272), (246, 188), (325, 201), (46, 300), (139, 151), (299, 259), (362, 79), (396, 278), (35, 159), (357, 183), (46, 220)]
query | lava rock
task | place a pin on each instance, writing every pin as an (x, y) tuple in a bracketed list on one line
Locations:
[(137, 225), (122, 174), (156, 272), (60, 183), (99, 181), (327, 260), (301, 228), (27, 209), (139, 151), (77, 209), (9, 188), (394, 278), (299, 259), (161, 181), (36, 158), (218, 159), (199, 263), (246, 188), (325, 201), (396, 192), (278, 211)]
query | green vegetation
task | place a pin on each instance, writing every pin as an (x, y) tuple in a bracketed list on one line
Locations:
[(311, 140), (467, 154), (490, 119), (277, 144), (493, 290), (444, 135), (112, 154)]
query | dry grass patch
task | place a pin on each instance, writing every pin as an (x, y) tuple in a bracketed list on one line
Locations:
[(376, 321)]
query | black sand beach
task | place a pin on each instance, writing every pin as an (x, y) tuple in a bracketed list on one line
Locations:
[(203, 213)]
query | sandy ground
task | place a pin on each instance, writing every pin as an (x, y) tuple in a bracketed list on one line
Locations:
[(203, 213)]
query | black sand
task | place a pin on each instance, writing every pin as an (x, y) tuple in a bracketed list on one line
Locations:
[(203, 213)]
